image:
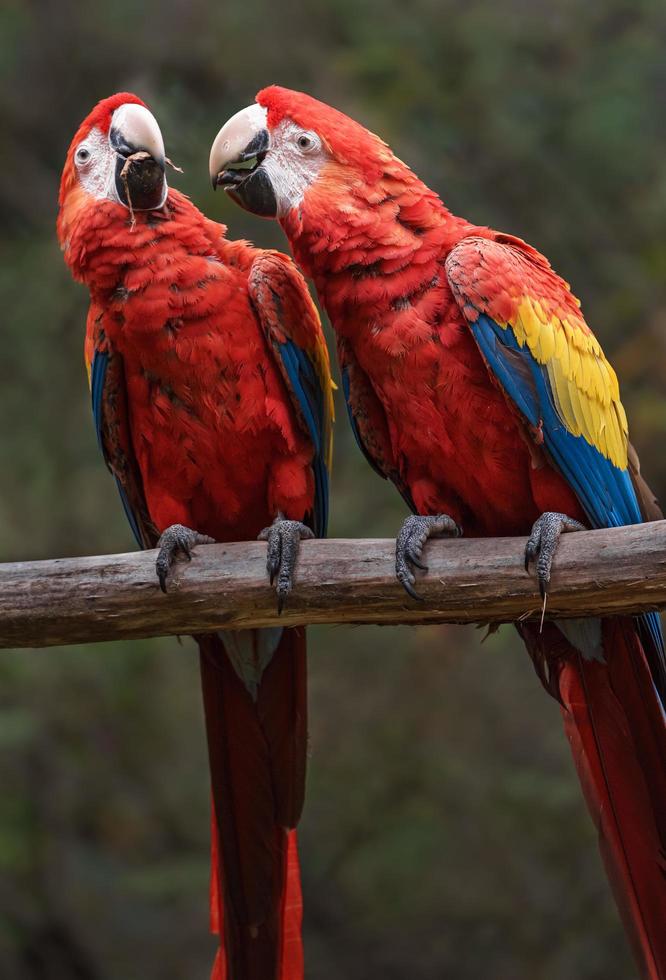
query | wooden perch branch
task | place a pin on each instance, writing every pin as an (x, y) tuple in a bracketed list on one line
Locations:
[(77, 600)]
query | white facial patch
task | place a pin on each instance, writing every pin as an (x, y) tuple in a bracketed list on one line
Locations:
[(290, 168), (97, 171), (95, 163)]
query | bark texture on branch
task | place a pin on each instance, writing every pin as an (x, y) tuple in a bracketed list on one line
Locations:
[(77, 600)]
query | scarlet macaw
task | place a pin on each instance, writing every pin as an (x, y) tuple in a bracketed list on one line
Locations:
[(212, 402), (474, 383)]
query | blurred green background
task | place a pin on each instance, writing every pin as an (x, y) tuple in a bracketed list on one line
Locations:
[(444, 835)]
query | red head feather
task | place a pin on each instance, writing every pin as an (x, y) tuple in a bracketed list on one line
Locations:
[(347, 140), (101, 115), (70, 198), (100, 118)]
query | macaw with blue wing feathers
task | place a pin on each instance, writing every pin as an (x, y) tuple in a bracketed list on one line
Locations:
[(212, 401), (474, 383)]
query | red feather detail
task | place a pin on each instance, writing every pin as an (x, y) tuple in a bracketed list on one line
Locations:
[(197, 407), (347, 139), (257, 761), (101, 115), (215, 896), (100, 118), (219, 966), (376, 241), (618, 741), (291, 962)]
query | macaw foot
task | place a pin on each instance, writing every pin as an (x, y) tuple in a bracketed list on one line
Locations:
[(284, 538), (176, 540), (413, 534), (542, 544)]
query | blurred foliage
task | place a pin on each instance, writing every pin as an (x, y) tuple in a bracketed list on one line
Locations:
[(444, 833)]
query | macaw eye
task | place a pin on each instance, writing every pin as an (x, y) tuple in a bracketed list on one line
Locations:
[(82, 155), (306, 142)]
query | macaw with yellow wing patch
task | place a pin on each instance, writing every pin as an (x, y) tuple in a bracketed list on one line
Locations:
[(474, 383), (212, 400)]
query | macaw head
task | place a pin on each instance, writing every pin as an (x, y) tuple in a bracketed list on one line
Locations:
[(117, 160), (288, 148)]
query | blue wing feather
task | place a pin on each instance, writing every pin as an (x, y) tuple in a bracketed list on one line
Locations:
[(606, 492), (97, 375), (306, 388), (100, 362), (129, 513)]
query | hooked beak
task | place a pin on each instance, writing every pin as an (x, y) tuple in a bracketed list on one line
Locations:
[(236, 159), (139, 174)]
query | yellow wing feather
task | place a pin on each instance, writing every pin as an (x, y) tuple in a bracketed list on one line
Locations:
[(584, 385)]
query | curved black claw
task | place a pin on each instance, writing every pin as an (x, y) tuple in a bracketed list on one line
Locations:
[(542, 544), (284, 538), (176, 540), (412, 536)]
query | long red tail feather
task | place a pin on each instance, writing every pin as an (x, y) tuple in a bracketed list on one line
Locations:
[(257, 752), (615, 726)]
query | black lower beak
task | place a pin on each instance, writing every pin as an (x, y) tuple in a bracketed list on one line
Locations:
[(230, 178), (140, 181), (252, 190), (246, 180), (139, 177)]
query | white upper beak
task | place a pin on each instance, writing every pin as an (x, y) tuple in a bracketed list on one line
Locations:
[(236, 134), (138, 128)]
